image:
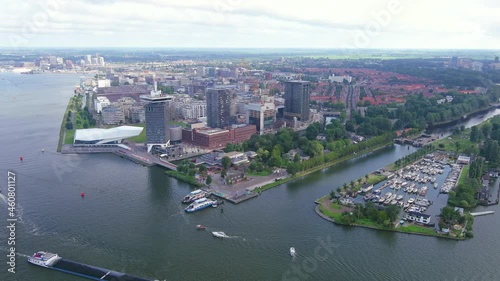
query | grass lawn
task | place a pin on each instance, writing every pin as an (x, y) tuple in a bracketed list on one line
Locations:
[(260, 174), (463, 175), (334, 215), (368, 222), (177, 123), (69, 137), (141, 138), (335, 206), (417, 229)]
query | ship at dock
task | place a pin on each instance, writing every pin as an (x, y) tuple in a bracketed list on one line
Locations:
[(55, 262)]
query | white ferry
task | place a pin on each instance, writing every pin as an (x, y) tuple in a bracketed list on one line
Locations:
[(200, 204), (44, 259), (195, 195)]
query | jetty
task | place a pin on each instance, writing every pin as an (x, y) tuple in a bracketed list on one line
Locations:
[(482, 213)]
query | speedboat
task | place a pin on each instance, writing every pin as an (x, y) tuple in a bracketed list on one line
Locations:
[(292, 251), (200, 227), (220, 234)]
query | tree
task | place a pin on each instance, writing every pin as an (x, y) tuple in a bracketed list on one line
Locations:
[(312, 131), (226, 162), (392, 212), (223, 173), (209, 180), (202, 169), (293, 168), (474, 134)]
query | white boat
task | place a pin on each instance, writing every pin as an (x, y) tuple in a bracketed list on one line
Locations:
[(44, 259), (292, 251), (411, 200), (220, 234), (195, 195), (200, 204)]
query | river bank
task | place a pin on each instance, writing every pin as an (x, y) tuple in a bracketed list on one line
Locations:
[(321, 167), (332, 214)]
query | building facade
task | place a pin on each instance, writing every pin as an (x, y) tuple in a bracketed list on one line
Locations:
[(219, 108), (297, 100), (112, 115), (157, 130), (262, 114)]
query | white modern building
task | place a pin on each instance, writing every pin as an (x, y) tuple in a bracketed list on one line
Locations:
[(340, 79), (100, 103), (102, 83), (262, 113), (105, 136), (194, 110)]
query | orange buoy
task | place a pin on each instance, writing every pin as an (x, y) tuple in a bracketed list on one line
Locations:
[(83, 194)]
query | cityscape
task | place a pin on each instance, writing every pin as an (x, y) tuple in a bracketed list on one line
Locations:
[(126, 156)]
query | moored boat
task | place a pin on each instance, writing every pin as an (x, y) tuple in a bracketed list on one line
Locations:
[(194, 195), (200, 204)]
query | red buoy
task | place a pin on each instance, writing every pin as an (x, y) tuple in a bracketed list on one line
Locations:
[(21, 158), (83, 194)]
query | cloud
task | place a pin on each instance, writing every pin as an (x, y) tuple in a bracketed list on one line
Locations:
[(258, 23)]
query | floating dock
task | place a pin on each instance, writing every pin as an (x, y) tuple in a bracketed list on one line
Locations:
[(92, 272), (482, 213)]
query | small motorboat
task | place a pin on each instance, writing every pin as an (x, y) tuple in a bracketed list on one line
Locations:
[(292, 251), (200, 227), (220, 234)]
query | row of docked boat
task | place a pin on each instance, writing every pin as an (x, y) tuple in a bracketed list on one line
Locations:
[(452, 179)]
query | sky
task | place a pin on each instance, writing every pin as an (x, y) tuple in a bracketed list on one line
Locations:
[(356, 24)]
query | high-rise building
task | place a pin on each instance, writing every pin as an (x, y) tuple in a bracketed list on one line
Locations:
[(157, 116), (297, 100), (219, 108)]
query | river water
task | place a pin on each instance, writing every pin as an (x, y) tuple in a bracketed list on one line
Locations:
[(131, 219)]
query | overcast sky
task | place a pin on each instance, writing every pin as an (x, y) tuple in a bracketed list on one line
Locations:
[(442, 24)]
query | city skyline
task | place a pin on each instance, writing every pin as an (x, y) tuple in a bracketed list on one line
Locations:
[(238, 24)]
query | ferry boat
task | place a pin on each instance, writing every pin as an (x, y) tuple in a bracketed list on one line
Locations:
[(55, 262), (44, 259), (194, 195), (200, 204)]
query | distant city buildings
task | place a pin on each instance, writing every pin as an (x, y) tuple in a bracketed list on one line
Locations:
[(219, 108), (340, 79), (297, 98)]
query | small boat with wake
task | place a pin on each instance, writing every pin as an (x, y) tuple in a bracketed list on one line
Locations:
[(292, 252), (220, 234), (200, 227)]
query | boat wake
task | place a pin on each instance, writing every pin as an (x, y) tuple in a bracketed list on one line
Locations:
[(17, 254), (4, 199)]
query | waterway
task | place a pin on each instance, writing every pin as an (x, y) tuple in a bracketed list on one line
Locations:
[(131, 219)]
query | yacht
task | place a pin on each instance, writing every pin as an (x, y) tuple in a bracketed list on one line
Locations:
[(194, 195), (200, 204)]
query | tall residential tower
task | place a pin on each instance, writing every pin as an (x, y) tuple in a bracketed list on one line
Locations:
[(297, 100), (219, 108)]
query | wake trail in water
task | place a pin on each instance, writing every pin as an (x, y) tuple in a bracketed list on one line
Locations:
[(17, 254)]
